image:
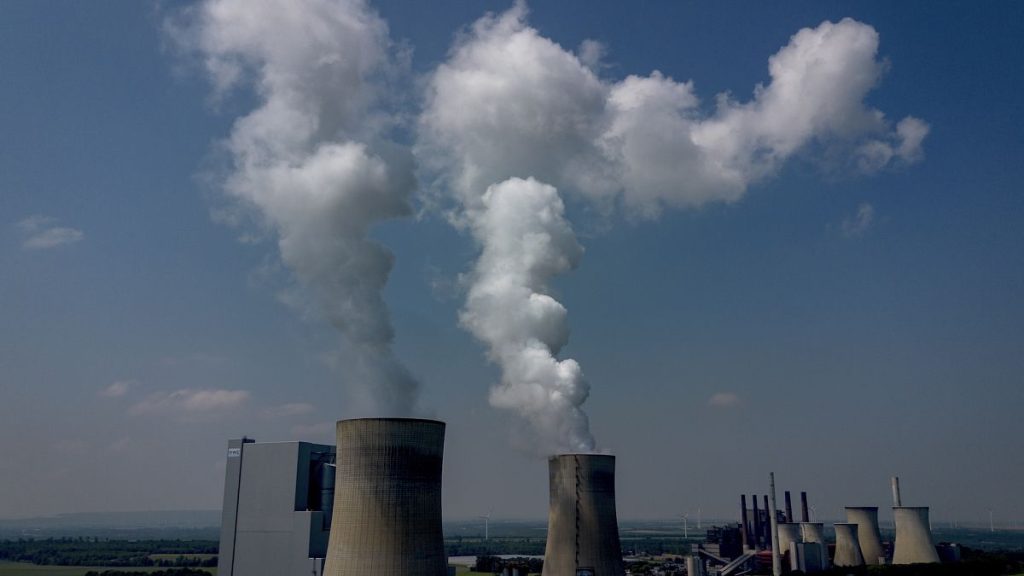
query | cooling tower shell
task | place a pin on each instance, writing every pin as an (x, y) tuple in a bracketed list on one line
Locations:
[(387, 500), (583, 532), (847, 546), (789, 532), (866, 519), (812, 532), (914, 544)]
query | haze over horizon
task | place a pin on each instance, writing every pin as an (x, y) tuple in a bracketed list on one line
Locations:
[(754, 241)]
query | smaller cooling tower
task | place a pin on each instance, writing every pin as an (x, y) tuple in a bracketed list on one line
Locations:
[(847, 546), (814, 533), (387, 499), (789, 532), (583, 533), (914, 544), (866, 519)]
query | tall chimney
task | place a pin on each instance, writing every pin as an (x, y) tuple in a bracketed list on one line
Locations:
[(789, 508), (804, 517), (583, 533), (757, 524), (767, 525), (387, 499), (744, 523), (896, 500)]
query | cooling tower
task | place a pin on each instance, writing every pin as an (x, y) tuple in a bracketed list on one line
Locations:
[(814, 533), (866, 519), (913, 543), (387, 500), (583, 533), (847, 547), (788, 532)]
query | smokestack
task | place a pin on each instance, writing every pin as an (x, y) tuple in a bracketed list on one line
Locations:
[(914, 544), (847, 547), (773, 521), (767, 524), (868, 534), (896, 500), (803, 508), (757, 524), (745, 523), (583, 532), (789, 508), (387, 500)]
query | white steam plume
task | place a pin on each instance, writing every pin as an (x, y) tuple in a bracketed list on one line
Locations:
[(311, 160), (511, 103), (526, 241)]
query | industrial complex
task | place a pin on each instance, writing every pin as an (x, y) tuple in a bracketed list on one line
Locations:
[(371, 504)]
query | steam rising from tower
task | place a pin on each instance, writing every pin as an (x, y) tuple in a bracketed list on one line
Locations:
[(510, 109), (526, 241), (583, 532), (311, 163)]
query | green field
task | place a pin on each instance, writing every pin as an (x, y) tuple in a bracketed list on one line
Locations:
[(23, 569)]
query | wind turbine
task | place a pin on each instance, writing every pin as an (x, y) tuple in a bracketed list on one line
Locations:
[(487, 520)]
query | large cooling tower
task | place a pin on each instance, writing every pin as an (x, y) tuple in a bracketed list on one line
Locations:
[(914, 543), (583, 533), (866, 519), (789, 532), (814, 533), (387, 500), (847, 547)]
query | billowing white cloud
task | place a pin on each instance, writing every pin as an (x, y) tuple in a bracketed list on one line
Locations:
[(312, 163), (191, 401), (723, 399), (117, 389), (526, 242), (859, 223), (42, 232), (511, 104)]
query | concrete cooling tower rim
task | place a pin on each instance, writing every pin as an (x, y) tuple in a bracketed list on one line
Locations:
[(389, 419)]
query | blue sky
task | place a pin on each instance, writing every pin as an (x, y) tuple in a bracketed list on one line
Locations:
[(853, 326)]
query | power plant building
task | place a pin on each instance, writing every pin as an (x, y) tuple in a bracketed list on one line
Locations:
[(277, 508)]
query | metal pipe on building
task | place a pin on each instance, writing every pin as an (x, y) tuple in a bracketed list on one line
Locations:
[(868, 534), (789, 508), (583, 533), (387, 499), (913, 543), (774, 523), (803, 508), (847, 547)]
